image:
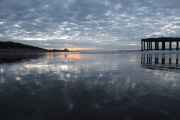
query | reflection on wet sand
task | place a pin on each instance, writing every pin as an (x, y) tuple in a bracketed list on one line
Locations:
[(73, 55), (160, 61), (102, 87)]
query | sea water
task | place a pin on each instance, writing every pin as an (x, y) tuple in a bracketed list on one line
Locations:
[(90, 86)]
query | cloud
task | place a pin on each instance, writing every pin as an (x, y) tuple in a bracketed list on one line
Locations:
[(91, 22)]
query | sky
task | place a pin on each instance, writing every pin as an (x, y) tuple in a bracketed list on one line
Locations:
[(88, 24)]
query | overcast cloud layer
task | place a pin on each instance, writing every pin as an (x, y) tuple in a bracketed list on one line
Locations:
[(109, 24)]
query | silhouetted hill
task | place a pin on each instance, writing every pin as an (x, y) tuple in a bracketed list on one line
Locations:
[(18, 46)]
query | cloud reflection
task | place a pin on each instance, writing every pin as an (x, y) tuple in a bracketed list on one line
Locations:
[(101, 86)]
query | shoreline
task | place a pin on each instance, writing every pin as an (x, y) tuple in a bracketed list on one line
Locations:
[(22, 51)]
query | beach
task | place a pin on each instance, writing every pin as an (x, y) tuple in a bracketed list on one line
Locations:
[(116, 85)]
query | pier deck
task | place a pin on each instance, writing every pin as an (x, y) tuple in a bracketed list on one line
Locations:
[(160, 43)]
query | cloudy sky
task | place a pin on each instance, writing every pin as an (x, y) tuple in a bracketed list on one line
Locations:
[(102, 24)]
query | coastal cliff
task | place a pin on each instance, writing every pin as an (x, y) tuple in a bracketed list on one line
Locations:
[(12, 46)]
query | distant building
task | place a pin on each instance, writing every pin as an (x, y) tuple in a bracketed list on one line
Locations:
[(66, 50)]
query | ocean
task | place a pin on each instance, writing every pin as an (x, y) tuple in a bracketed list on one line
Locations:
[(106, 85)]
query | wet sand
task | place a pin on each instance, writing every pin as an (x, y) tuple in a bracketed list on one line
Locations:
[(17, 56), (66, 86)]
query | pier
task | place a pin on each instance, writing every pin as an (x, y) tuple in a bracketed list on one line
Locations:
[(162, 43)]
